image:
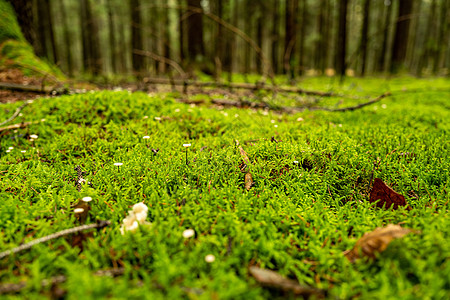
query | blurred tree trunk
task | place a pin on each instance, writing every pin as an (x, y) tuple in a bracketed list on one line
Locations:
[(67, 38), (401, 36), (112, 37), (442, 38), (137, 61), (247, 30), (43, 30), (290, 37), (364, 36), (414, 37), (341, 39), (259, 36), (196, 45), (220, 42), (382, 56), (181, 26), (301, 46), (165, 38), (90, 39), (24, 14), (275, 36), (320, 51)]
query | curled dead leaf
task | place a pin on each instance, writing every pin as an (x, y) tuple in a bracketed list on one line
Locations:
[(375, 241), (248, 180), (272, 279), (387, 196), (244, 155)]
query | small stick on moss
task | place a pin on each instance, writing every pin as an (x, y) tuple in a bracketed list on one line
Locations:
[(16, 113), (98, 225)]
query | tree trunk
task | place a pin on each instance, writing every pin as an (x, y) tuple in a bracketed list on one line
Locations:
[(165, 39), (259, 36), (220, 42), (441, 37), (341, 39), (112, 37), (383, 52), (137, 61), (51, 32), (248, 29), (320, 43), (275, 36), (67, 38), (290, 37), (196, 45), (181, 26), (301, 46), (415, 37), (90, 39), (401, 36), (364, 36), (24, 13)]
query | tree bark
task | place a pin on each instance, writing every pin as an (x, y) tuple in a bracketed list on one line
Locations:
[(364, 36), (301, 47), (341, 39), (275, 36), (319, 53), (259, 36), (25, 18), (382, 57), (137, 61), (290, 37), (401, 36), (196, 45), (112, 37), (67, 38)]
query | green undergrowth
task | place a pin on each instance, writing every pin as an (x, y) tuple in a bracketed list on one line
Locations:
[(297, 218)]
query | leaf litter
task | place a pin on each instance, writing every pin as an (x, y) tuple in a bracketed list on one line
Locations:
[(376, 241)]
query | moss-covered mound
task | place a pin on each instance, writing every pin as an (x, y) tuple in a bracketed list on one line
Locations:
[(15, 52)]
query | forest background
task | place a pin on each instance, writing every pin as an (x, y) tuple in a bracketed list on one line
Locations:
[(148, 38)]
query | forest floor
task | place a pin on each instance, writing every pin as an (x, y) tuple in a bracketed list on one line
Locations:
[(248, 195)]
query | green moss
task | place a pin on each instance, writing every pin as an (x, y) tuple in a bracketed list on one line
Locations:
[(20, 54), (297, 218), (9, 28), (15, 52)]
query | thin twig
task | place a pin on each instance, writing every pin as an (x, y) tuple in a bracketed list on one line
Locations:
[(16, 126), (16, 113), (350, 108), (246, 86), (98, 225)]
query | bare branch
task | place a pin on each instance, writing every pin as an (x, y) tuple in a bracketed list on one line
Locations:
[(98, 225)]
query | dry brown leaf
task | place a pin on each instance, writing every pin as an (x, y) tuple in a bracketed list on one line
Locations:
[(375, 241), (244, 155), (272, 279), (248, 181), (387, 196)]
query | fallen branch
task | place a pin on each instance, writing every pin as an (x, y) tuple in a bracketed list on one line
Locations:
[(98, 225), (247, 86), (283, 109), (350, 108), (32, 88), (16, 126), (25, 88), (16, 113)]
